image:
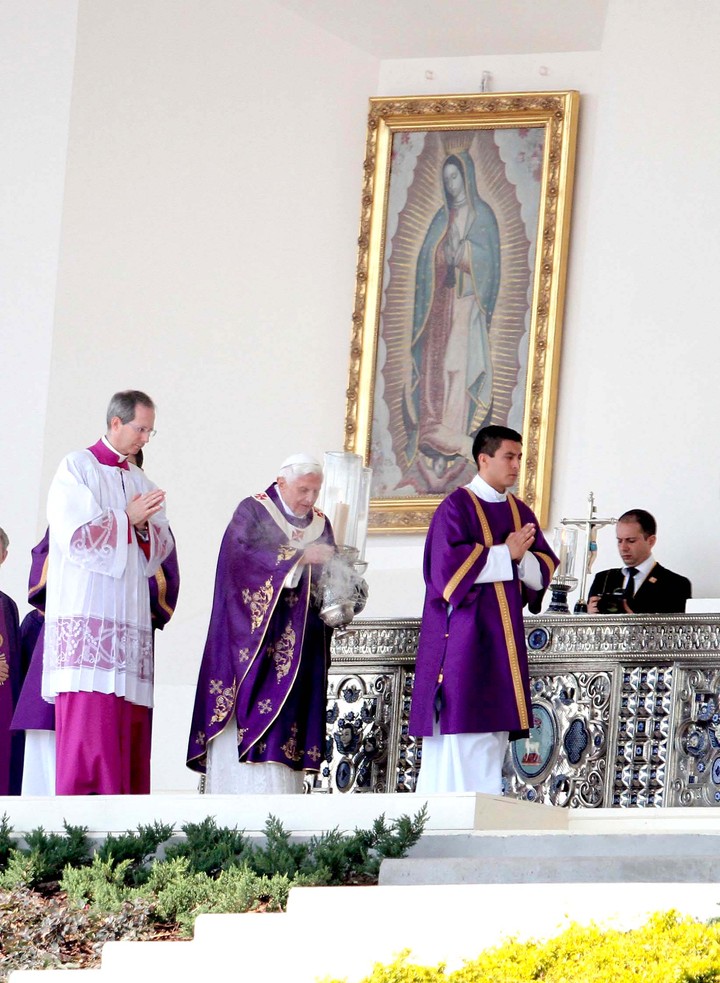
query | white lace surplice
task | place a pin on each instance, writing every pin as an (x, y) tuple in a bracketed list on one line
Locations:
[(98, 636)]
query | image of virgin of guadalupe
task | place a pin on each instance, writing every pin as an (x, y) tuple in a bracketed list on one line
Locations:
[(450, 393)]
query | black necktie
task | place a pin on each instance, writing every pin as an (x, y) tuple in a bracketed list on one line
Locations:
[(630, 586)]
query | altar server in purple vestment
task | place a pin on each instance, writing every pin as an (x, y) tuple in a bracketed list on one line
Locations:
[(33, 717), (259, 718), (9, 667), (108, 536), (485, 558)]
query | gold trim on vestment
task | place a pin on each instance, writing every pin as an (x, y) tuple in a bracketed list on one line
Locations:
[(510, 634), (297, 661), (500, 588), (162, 593), (548, 561), (462, 572), (225, 698), (512, 655), (485, 525), (244, 656), (258, 601), (43, 579), (515, 511)]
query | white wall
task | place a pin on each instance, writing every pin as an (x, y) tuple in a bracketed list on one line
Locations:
[(638, 397), (637, 409), (37, 46), (208, 255)]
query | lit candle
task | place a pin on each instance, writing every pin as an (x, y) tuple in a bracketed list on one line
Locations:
[(563, 559)]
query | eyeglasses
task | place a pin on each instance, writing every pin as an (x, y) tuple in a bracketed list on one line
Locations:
[(142, 430)]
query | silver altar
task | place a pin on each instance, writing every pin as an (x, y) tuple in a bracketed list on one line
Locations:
[(626, 711)]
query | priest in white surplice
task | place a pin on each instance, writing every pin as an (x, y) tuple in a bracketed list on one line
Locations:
[(108, 534)]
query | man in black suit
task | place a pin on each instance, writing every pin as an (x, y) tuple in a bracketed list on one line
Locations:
[(641, 586)]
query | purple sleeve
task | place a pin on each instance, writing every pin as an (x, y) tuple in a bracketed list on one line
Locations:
[(456, 551)]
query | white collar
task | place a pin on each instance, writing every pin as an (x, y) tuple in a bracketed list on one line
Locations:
[(123, 457), (485, 491)]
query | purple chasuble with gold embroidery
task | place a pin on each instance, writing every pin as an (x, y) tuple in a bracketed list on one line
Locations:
[(9, 659), (478, 648), (265, 662)]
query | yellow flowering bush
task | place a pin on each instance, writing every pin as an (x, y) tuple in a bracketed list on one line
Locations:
[(669, 948)]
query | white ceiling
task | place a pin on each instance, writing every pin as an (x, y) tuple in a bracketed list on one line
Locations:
[(456, 28)]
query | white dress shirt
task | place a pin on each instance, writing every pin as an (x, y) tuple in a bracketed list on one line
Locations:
[(643, 569)]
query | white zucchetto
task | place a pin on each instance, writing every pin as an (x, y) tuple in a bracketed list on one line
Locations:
[(296, 459)]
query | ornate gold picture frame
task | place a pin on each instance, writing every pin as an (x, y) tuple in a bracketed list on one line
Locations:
[(460, 285)]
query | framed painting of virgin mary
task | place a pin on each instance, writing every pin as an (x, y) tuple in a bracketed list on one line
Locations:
[(460, 285)]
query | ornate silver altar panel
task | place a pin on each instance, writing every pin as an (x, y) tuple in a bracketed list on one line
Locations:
[(369, 690), (626, 711)]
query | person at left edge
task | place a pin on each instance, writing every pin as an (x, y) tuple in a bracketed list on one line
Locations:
[(9, 678), (108, 535)]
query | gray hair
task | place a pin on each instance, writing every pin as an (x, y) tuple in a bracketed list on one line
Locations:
[(4, 541), (293, 471), (123, 404)]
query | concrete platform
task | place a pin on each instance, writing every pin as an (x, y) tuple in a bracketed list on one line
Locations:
[(302, 814), (571, 869)]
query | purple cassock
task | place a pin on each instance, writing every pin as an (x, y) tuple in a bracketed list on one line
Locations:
[(471, 666), (267, 651), (31, 628), (9, 661), (32, 712)]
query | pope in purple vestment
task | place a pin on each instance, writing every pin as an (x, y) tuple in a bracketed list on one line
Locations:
[(472, 671), (264, 668)]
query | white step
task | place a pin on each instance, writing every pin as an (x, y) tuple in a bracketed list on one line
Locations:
[(341, 932)]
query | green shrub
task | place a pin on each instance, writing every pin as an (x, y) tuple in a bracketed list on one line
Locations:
[(278, 855), (6, 843), (20, 871), (136, 848), (52, 852), (102, 885), (347, 859), (214, 869), (208, 848), (332, 858), (179, 894)]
